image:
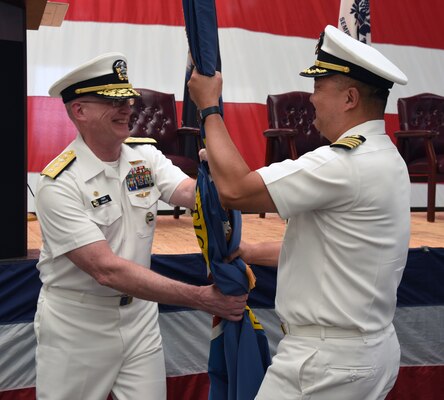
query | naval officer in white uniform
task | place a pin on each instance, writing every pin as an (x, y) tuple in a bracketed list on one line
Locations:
[(96, 321), (346, 243)]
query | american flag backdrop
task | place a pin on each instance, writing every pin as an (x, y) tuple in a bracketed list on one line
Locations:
[(264, 45)]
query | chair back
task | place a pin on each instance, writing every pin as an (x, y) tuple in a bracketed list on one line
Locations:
[(424, 111), (293, 110), (154, 116)]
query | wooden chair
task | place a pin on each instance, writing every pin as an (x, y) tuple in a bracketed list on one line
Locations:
[(154, 116), (291, 131), (420, 141)]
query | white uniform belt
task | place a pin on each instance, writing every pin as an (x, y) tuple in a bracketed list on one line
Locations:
[(326, 331), (87, 298)]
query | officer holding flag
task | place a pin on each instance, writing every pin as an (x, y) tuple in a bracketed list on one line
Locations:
[(346, 243)]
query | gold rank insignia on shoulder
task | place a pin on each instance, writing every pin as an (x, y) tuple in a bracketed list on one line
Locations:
[(56, 166), (139, 140), (349, 142)]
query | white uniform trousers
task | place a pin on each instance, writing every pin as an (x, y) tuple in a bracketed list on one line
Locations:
[(87, 351), (333, 368)]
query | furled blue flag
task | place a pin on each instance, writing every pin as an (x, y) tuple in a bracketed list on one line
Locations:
[(354, 19), (189, 109), (239, 353)]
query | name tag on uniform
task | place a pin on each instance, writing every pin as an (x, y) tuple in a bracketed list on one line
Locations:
[(101, 201)]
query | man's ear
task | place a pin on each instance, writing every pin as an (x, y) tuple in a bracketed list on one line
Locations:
[(76, 109), (353, 96)]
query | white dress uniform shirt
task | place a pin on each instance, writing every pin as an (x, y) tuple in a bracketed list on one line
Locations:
[(90, 201), (348, 232)]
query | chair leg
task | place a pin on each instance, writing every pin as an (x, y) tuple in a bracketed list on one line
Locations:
[(431, 196), (262, 215), (176, 212)]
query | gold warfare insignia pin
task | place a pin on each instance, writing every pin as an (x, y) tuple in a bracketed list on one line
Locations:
[(349, 142), (143, 194), (135, 162), (139, 140)]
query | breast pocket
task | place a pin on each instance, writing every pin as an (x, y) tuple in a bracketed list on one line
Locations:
[(104, 215), (144, 205)]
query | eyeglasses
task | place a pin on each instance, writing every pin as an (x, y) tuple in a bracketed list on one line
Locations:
[(115, 103)]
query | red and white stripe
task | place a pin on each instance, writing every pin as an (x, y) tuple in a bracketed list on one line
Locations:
[(264, 45)]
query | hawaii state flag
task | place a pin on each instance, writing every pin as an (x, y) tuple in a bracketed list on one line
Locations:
[(354, 19)]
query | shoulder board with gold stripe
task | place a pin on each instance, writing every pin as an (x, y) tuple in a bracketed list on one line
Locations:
[(139, 140), (56, 166), (349, 142)]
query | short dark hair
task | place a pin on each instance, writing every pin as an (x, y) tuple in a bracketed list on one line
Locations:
[(374, 94), (371, 94)]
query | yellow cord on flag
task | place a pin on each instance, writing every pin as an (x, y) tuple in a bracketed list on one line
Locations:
[(254, 321), (251, 277)]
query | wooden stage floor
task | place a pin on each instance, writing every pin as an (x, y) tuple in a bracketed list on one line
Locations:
[(176, 236)]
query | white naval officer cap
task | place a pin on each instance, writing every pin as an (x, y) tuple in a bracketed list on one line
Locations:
[(339, 53), (104, 76)]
